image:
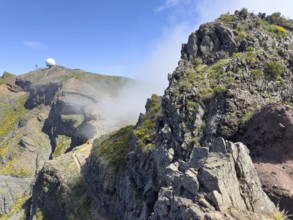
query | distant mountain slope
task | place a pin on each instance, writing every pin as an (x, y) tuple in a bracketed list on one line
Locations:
[(48, 112)]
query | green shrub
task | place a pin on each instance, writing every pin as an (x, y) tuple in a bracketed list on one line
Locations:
[(219, 64), (257, 73), (41, 214), (226, 18), (276, 68), (191, 104), (154, 96), (228, 80), (243, 13), (261, 23), (206, 93), (241, 35), (280, 214), (250, 48), (246, 117), (235, 55), (219, 90), (198, 61), (251, 57), (190, 73)]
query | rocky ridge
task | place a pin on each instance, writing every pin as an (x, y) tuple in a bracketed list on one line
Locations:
[(184, 159)]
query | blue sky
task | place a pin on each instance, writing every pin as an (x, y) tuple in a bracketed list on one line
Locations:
[(135, 38)]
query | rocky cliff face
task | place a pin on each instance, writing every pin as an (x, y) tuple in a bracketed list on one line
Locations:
[(186, 158)]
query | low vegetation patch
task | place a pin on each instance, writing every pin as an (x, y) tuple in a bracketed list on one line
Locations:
[(219, 90), (257, 73), (280, 214), (250, 48), (235, 55), (219, 64), (191, 104), (228, 80), (81, 202), (13, 169), (113, 148), (226, 18), (198, 61), (7, 150), (246, 117), (16, 207), (40, 214), (11, 116), (249, 56), (145, 132), (206, 79), (276, 68), (277, 31), (62, 143), (273, 30)]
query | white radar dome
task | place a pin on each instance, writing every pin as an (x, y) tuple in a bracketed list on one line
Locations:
[(50, 62)]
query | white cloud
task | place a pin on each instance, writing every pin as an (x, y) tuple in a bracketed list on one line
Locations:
[(164, 58), (35, 45), (169, 4)]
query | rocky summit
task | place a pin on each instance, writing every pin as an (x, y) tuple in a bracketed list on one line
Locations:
[(217, 145)]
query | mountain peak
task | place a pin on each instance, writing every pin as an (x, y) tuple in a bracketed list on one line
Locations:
[(236, 33)]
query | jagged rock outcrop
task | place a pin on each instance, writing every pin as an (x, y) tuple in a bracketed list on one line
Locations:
[(210, 42), (224, 178)]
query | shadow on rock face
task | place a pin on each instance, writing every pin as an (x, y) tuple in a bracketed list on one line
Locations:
[(269, 136)]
